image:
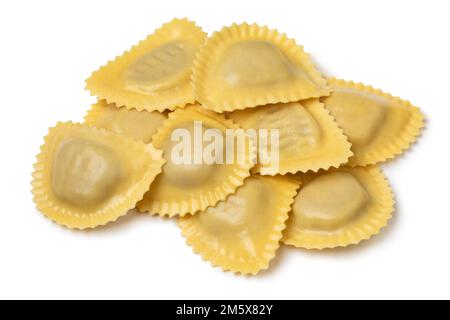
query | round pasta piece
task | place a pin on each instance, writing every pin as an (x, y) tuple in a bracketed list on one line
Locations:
[(242, 234), (189, 183), (140, 125), (309, 138), (378, 125), (155, 74), (338, 208), (86, 177), (244, 66)]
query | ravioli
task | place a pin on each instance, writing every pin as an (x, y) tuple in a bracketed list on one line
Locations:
[(242, 233), (220, 134), (155, 74), (244, 66), (186, 187), (140, 125), (86, 177), (338, 208), (378, 125), (309, 138)]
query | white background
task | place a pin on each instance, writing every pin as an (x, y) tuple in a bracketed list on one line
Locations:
[(48, 48)]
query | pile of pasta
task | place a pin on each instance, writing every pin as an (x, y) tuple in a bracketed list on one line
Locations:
[(327, 190)]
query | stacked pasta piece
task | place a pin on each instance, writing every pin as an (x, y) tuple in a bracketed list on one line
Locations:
[(323, 189)]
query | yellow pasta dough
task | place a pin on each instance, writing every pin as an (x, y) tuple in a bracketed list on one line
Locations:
[(188, 187), (378, 125), (140, 125), (339, 208), (245, 66), (86, 177), (239, 137), (242, 233), (309, 138), (155, 74)]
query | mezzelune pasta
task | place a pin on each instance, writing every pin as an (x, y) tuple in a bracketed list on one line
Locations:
[(245, 66), (86, 177), (155, 74), (156, 140)]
